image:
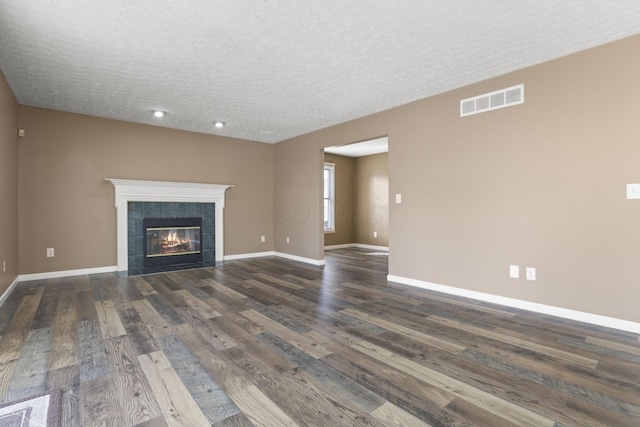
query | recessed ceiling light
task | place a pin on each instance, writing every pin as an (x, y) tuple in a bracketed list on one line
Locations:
[(218, 124), (158, 113)]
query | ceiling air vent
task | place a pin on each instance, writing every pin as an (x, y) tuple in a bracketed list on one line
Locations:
[(492, 101)]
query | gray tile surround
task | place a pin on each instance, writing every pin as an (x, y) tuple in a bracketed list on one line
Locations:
[(137, 211)]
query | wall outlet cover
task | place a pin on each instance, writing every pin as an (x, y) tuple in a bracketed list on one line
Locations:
[(531, 273)]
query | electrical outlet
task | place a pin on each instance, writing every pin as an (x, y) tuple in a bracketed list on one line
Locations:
[(514, 271), (288, 241), (263, 239), (531, 273), (375, 234), (50, 253)]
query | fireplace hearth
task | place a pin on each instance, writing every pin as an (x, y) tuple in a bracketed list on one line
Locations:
[(169, 241)]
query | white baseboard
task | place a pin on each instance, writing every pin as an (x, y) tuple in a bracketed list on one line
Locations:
[(595, 319), (67, 273), (249, 255), (372, 247), (357, 245), (344, 246), (300, 259), (273, 253), (10, 289)]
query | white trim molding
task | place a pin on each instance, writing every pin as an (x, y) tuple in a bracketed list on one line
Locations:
[(249, 255), (129, 190), (277, 254), (357, 245), (594, 319), (10, 289), (312, 261), (67, 273)]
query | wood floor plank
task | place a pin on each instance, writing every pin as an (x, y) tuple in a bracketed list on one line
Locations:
[(16, 333), (259, 409), (353, 392), (471, 305), (110, 323), (164, 309), (300, 341), (46, 313), (176, 403), (100, 404), (92, 355), (209, 395), (7, 312), (275, 293), (225, 290), (200, 307), (479, 415), (613, 346), (560, 354), (155, 323), (487, 401), (215, 365), (279, 281), (407, 332), (30, 375), (422, 400), (390, 415), (6, 373), (138, 403), (145, 288), (591, 380), (64, 351)]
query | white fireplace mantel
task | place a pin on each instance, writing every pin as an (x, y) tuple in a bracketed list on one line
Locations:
[(130, 190)]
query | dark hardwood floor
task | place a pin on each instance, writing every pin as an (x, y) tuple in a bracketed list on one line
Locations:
[(272, 342)]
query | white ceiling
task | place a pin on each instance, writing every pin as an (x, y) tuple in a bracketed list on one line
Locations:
[(361, 149), (275, 69)]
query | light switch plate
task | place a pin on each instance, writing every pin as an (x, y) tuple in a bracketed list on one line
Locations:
[(398, 198), (514, 271), (633, 191)]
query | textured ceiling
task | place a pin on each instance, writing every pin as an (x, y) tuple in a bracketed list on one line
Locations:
[(276, 69)]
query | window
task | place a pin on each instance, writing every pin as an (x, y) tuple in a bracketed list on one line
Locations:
[(329, 197)]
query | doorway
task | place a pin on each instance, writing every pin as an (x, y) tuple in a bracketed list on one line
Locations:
[(356, 196)]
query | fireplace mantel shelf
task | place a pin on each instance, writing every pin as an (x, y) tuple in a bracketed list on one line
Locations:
[(130, 190)]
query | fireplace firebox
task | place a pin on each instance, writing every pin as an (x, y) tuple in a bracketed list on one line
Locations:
[(169, 241)]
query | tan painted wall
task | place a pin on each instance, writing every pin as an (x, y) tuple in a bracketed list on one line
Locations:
[(8, 185), (66, 204), (345, 200), (540, 184), (372, 200)]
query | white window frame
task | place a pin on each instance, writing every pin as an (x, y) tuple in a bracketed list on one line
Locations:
[(330, 227)]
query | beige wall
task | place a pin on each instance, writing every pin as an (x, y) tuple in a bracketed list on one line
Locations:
[(345, 200), (540, 184), (8, 185), (65, 203), (372, 200)]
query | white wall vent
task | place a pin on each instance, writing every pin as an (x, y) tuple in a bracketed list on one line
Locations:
[(492, 101)]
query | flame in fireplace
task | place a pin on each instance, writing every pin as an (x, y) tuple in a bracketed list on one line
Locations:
[(173, 241)]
